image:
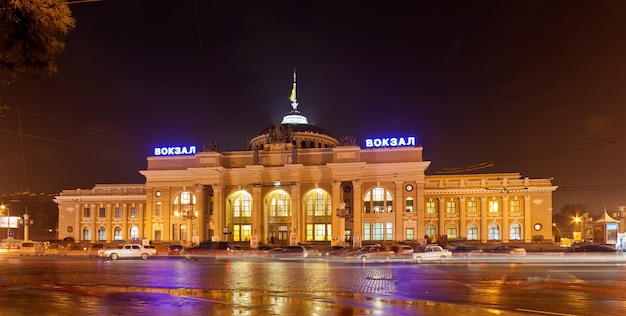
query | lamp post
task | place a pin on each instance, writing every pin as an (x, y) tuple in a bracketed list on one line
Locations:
[(190, 215), (577, 220)]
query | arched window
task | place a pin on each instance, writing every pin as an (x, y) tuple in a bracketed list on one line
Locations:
[(431, 230), (472, 231), (134, 232), (117, 233), (86, 233), (378, 200), (102, 233), (515, 231), (279, 204), (318, 210), (183, 202), (317, 203), (452, 231), (494, 231), (241, 204)]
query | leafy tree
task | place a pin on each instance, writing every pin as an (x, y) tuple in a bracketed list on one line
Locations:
[(31, 34)]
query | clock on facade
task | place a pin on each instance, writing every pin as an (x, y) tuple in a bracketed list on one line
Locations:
[(538, 227), (409, 187), (157, 193)]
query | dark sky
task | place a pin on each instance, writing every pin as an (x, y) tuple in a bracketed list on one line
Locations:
[(537, 87)]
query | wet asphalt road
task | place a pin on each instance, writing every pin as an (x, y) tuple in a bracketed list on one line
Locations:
[(173, 286)]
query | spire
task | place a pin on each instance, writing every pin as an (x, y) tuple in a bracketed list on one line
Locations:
[(292, 98), (294, 116)]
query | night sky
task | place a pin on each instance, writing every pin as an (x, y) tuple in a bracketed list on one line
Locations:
[(536, 87)]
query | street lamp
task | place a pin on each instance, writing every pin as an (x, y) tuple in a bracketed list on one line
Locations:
[(190, 215), (577, 221)]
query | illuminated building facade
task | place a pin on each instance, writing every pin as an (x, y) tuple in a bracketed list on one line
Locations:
[(297, 184)]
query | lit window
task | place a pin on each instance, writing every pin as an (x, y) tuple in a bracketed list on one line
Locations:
[(451, 231), (242, 204), (494, 231), (472, 231), (472, 207), (117, 233), (279, 204), (431, 230), (133, 212), (102, 233), (377, 231), (515, 206), (318, 203), (86, 234), (134, 232), (410, 234), (367, 234), (389, 231), (516, 231), (378, 200), (431, 207), (493, 206), (450, 207)]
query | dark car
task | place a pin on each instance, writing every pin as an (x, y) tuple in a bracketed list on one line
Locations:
[(335, 251), (210, 249), (511, 250), (464, 250), (595, 248), (174, 250)]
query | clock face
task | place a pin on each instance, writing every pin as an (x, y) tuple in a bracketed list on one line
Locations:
[(538, 226), (409, 187), (157, 193)]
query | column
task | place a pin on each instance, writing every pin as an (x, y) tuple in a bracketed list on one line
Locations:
[(295, 212), (399, 210), (505, 219), (442, 211), (219, 214), (109, 224), (94, 227), (78, 227), (483, 220), (338, 224), (125, 231), (140, 210), (420, 203), (257, 215), (357, 209), (200, 225), (462, 214)]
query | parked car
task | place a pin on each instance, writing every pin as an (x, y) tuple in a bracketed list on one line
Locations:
[(431, 253), (595, 248), (464, 250), (335, 251), (313, 252), (508, 249), (289, 252), (402, 249), (31, 248), (128, 251), (372, 252), (50, 249), (174, 250), (210, 249)]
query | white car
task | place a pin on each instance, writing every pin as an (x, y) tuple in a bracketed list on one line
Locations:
[(431, 253), (128, 251)]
